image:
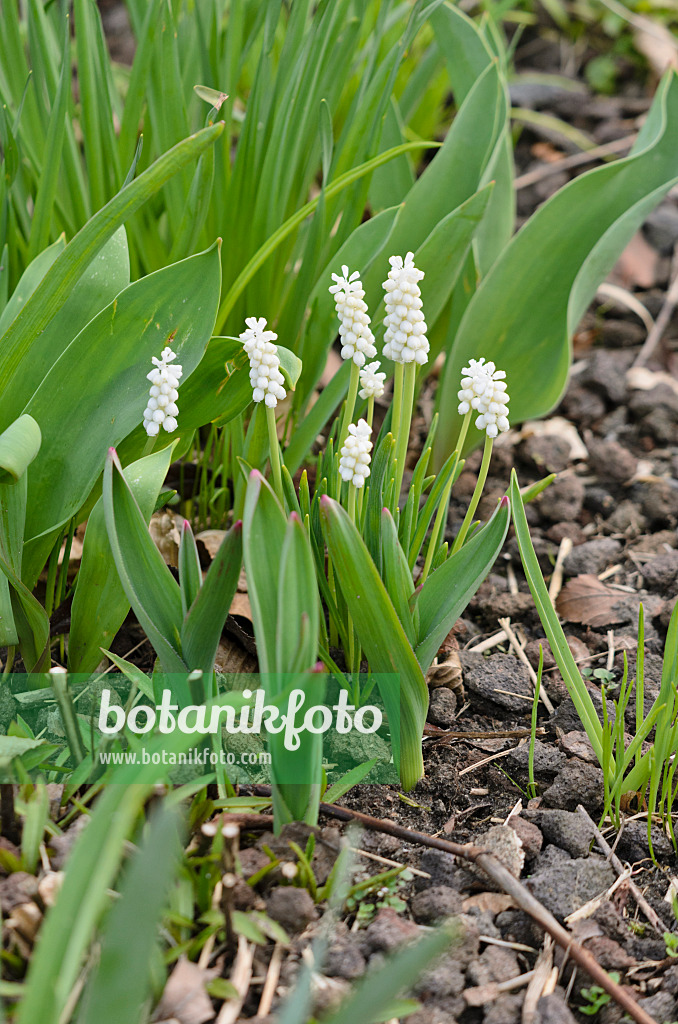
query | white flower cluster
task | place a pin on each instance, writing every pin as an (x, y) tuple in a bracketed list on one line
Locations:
[(357, 340), (405, 339), (265, 376), (162, 409), (483, 388), (354, 464), (372, 382)]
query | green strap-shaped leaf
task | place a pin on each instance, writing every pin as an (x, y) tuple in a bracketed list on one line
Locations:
[(525, 310), (397, 575), (69, 265), (19, 444), (381, 636), (99, 603), (148, 584), (190, 571), (202, 626), (29, 281), (106, 367), (549, 620), (264, 529), (448, 590)]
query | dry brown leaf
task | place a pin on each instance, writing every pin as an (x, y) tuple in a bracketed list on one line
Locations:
[(481, 994), (637, 265), (586, 600), (657, 44), (185, 999), (494, 902), (232, 657), (163, 530), (211, 539)]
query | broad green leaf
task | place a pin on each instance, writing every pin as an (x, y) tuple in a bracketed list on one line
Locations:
[(15, 746), (202, 626), (549, 620), (381, 636), (29, 281), (397, 575), (352, 778), (190, 570), (99, 603), (447, 591), (298, 604), (19, 444), (67, 269), (106, 367), (130, 936), (524, 311), (148, 584), (264, 529)]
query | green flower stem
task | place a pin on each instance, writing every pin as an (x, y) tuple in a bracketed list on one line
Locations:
[(275, 454), (370, 410), (441, 514), (149, 446), (350, 404), (482, 477), (402, 424), (351, 637), (334, 631)]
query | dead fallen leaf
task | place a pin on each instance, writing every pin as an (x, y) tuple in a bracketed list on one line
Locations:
[(232, 657), (494, 902), (185, 999), (163, 530), (642, 379), (637, 265), (585, 599), (211, 539), (656, 43)]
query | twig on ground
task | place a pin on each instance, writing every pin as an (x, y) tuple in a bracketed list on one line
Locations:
[(662, 321), (651, 915), (512, 886), (270, 985), (557, 577), (538, 981), (520, 654), (575, 160), (241, 976)]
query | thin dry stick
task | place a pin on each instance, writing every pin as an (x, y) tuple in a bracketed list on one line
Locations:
[(540, 976), (557, 577), (665, 314), (520, 653), (241, 976), (512, 886), (272, 978), (652, 917), (575, 160)]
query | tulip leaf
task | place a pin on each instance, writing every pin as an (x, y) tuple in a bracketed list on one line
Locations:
[(202, 626), (19, 445)]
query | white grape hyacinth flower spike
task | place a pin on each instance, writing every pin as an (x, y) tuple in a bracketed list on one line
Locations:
[(372, 382), (357, 340), (483, 388), (265, 376), (162, 409), (405, 340), (354, 464)]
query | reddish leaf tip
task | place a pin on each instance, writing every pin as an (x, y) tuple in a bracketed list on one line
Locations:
[(186, 526), (504, 502), (324, 500), (318, 667), (237, 525), (255, 475), (294, 516)]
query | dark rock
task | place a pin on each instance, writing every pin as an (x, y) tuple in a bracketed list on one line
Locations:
[(612, 923), (662, 572), (626, 517), (517, 926), (568, 830), (291, 907), (633, 846), (553, 1009), (17, 888), (485, 677), (559, 531), (577, 783), (252, 860), (437, 1014), (670, 980), (660, 424), (606, 374), (609, 953), (611, 461), (431, 905), (442, 707), (577, 744), (599, 500), (344, 958), (505, 1009), (549, 453), (243, 895), (583, 406), (442, 867), (495, 963), (661, 229), (387, 932), (660, 503), (564, 499), (441, 981), (567, 886), (529, 834), (548, 760), (550, 856), (641, 402), (661, 1006), (592, 557)]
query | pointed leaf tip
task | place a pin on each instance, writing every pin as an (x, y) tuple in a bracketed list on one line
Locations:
[(294, 516), (504, 501), (237, 525)]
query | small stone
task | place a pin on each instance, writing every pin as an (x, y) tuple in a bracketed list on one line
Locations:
[(661, 1006), (548, 761), (551, 856), (505, 1009), (633, 845), (344, 959), (252, 860), (505, 844), (442, 707), (441, 866), (549, 453), (564, 499), (592, 557), (441, 981), (553, 1009), (611, 461), (387, 932), (626, 517), (661, 572), (500, 679), (435, 904), (661, 228), (568, 830), (660, 503), (569, 885), (606, 374), (583, 406), (529, 834), (577, 744), (496, 964), (599, 500), (577, 783), (609, 953), (292, 908), (570, 531)]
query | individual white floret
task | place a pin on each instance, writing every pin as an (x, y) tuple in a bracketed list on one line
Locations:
[(354, 464), (162, 409), (405, 340), (483, 388), (357, 340), (265, 376), (372, 382)]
